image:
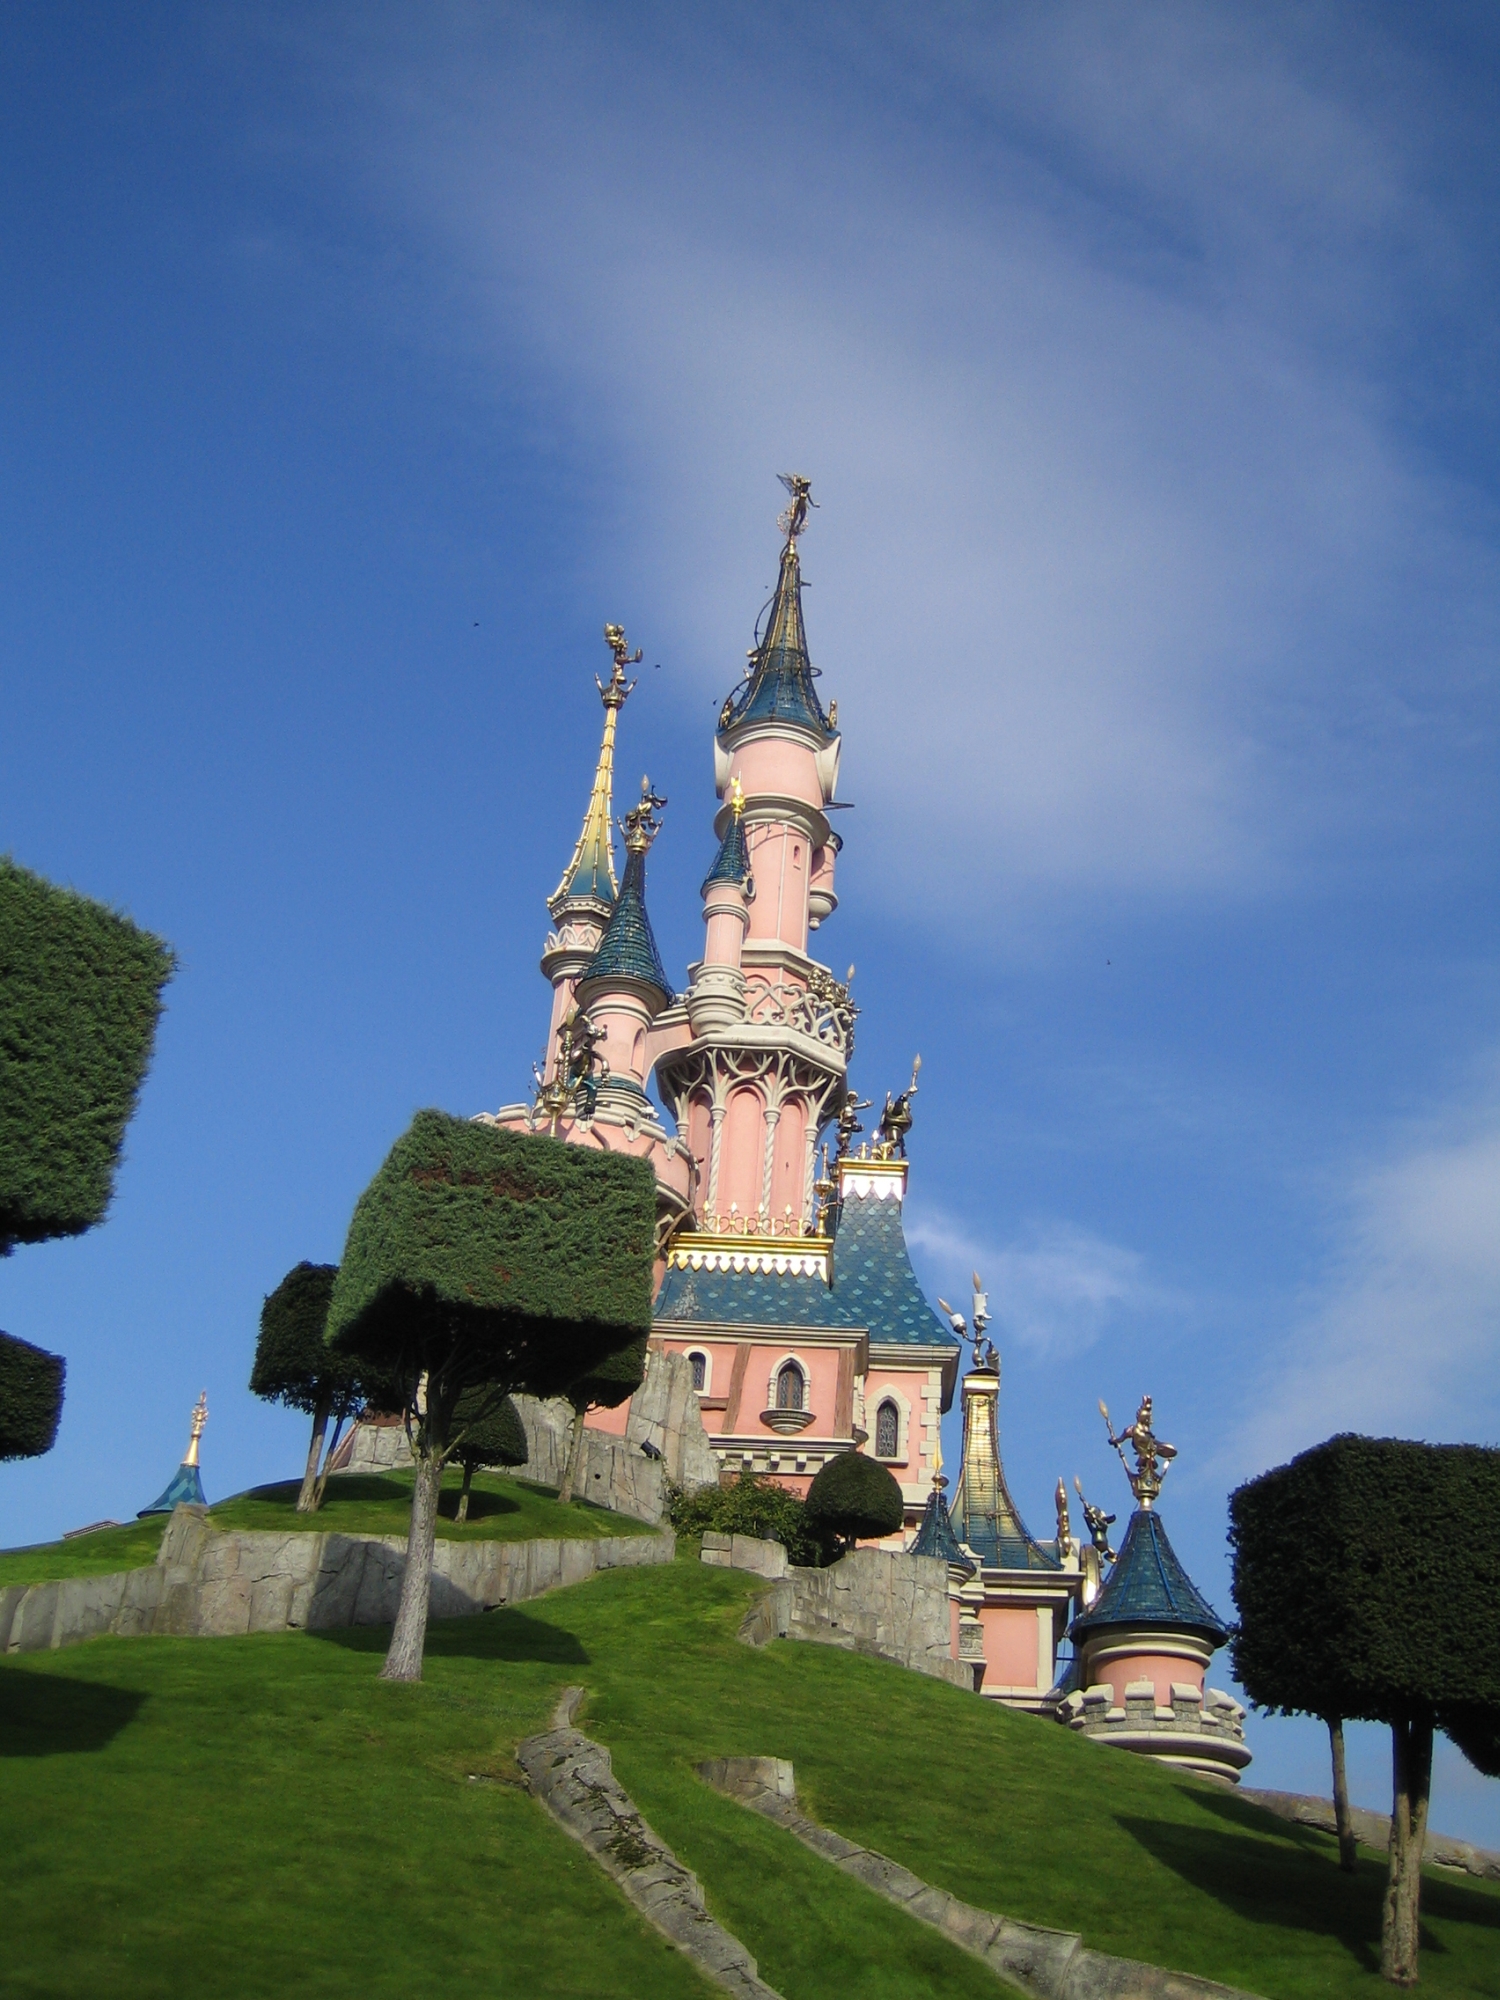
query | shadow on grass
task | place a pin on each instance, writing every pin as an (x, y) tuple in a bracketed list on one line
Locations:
[(48, 1715), (488, 1635)]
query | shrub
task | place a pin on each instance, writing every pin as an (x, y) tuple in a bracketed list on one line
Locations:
[(31, 1396), (490, 1432), (747, 1506), (855, 1498)]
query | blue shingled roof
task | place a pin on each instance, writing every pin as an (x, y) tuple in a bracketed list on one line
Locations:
[(747, 1298), (780, 687), (1149, 1586), (935, 1537), (183, 1488), (731, 864), (873, 1280), (627, 949)]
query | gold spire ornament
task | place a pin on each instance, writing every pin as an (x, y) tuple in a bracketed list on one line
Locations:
[(200, 1418), (641, 825), (793, 518), (1153, 1455)]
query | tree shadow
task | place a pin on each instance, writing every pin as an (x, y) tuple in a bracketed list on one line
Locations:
[(504, 1634), (50, 1715), (483, 1505)]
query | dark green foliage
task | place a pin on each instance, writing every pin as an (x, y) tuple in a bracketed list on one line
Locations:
[(747, 1506), (856, 1498), (1367, 1577), (80, 993), (1476, 1732), (489, 1429), (31, 1398), (612, 1381), (293, 1361), (502, 1256)]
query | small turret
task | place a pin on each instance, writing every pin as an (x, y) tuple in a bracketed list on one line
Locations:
[(623, 987)]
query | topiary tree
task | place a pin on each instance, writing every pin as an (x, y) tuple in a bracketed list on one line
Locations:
[(295, 1365), (483, 1256), (854, 1498), (31, 1397), (80, 994), (1367, 1578), (490, 1432), (613, 1381)]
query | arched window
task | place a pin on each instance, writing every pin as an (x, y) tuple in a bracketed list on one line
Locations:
[(790, 1387), (887, 1430), (700, 1369)]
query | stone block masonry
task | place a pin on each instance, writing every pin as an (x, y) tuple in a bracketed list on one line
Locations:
[(894, 1607), (207, 1582)]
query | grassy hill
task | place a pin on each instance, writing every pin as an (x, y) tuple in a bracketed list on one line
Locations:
[(500, 1509), (256, 1816)]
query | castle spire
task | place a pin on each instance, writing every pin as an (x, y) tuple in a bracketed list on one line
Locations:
[(627, 951), (779, 683), (590, 876)]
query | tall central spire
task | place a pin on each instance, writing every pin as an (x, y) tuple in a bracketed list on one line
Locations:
[(779, 686), (590, 876)]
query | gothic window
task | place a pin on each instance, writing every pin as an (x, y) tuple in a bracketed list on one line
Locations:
[(887, 1431), (700, 1369), (790, 1387)]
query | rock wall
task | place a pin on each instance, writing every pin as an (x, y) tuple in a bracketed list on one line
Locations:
[(869, 1601), (209, 1583), (617, 1472)]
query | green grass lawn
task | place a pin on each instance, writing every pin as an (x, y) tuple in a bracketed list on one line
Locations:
[(261, 1815), (500, 1509)]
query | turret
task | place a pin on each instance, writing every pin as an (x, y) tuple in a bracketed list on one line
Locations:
[(581, 903), (623, 987)]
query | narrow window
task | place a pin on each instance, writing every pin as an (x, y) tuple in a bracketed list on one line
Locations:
[(700, 1369), (887, 1430), (789, 1387)]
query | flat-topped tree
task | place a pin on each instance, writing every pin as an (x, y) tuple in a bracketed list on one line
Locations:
[(481, 1256), (490, 1433), (854, 1498), (1367, 1578), (294, 1365), (31, 1396), (612, 1381)]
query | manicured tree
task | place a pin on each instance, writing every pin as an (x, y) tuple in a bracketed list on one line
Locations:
[(295, 1365), (1367, 1578), (479, 1256), (611, 1382), (80, 993), (490, 1432), (855, 1499), (31, 1395)]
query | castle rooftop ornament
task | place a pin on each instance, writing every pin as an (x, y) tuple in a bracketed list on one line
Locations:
[(185, 1488)]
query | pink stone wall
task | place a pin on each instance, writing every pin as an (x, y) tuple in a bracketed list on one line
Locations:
[(741, 1153), (1158, 1668), (1010, 1646), (789, 1166)]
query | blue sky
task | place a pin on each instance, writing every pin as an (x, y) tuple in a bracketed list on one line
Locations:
[(358, 363)]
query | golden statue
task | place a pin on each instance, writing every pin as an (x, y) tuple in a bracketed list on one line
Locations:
[(1153, 1455), (793, 519)]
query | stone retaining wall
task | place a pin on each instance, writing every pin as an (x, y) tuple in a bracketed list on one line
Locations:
[(209, 1582), (1373, 1829), (869, 1601)]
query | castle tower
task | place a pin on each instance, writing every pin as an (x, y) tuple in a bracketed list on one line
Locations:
[(1141, 1649)]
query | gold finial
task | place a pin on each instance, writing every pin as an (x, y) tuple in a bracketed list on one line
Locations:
[(1152, 1454), (895, 1120), (793, 519), (614, 691), (640, 825), (736, 797), (200, 1418)]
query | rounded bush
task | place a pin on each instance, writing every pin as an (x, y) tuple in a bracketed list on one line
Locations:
[(493, 1433), (856, 1498)]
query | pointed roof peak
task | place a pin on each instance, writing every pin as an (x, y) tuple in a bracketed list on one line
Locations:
[(590, 875), (779, 681), (627, 949), (1149, 1587)]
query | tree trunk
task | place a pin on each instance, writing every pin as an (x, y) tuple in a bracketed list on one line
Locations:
[(403, 1660), (575, 1453), (307, 1499), (1411, 1774), (320, 1494), (1348, 1851), (463, 1498)]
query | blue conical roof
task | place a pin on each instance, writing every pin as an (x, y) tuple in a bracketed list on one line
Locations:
[(732, 863), (627, 949), (780, 686), (935, 1537), (185, 1487), (1149, 1586)]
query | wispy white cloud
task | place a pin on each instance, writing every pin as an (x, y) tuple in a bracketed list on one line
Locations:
[(1403, 1336), (1124, 578), (1054, 1288)]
